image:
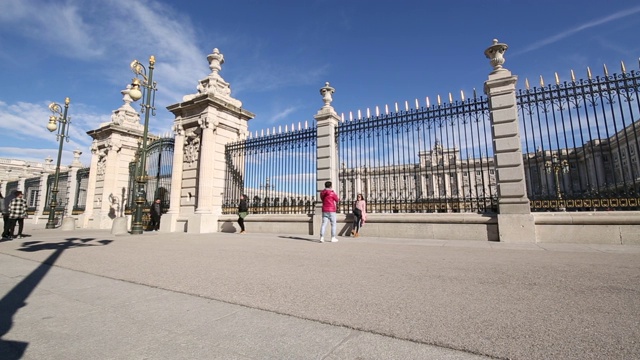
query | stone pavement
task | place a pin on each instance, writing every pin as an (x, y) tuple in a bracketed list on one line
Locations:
[(267, 296)]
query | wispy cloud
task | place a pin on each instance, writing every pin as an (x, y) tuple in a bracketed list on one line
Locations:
[(282, 114), (67, 34), (565, 34), (26, 122)]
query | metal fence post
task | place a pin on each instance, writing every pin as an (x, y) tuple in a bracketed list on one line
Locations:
[(515, 221)]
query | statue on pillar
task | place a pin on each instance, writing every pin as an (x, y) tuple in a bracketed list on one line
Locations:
[(214, 84), (326, 92), (126, 114)]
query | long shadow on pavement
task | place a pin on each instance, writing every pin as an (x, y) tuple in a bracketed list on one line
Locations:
[(299, 238), (16, 298)]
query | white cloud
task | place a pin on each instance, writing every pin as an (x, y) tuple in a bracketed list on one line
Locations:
[(283, 114), (555, 38)]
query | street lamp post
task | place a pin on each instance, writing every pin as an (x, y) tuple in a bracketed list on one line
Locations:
[(557, 166), (63, 133), (149, 87)]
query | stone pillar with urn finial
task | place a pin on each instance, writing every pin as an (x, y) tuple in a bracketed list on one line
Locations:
[(114, 146), (204, 123), (515, 221), (327, 150)]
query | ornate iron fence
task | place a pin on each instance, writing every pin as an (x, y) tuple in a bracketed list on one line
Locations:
[(277, 172), (437, 158), (63, 194), (580, 143), (32, 194), (82, 184), (159, 168)]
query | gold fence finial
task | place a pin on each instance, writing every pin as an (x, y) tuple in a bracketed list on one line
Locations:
[(439, 102), (450, 98), (622, 67), (589, 73), (526, 83), (606, 72), (541, 81), (573, 76), (557, 79)]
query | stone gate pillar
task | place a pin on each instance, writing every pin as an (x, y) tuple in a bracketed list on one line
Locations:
[(515, 221), (209, 120), (72, 186), (114, 146), (170, 219), (327, 151)]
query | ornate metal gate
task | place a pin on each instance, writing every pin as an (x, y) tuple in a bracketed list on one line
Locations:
[(159, 168)]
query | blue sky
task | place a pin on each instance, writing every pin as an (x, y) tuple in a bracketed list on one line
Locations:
[(279, 53)]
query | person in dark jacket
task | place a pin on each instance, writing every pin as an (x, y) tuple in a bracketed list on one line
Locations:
[(243, 211), (6, 232), (155, 212)]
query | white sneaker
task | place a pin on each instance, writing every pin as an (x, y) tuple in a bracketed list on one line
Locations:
[(333, 239), (321, 238)]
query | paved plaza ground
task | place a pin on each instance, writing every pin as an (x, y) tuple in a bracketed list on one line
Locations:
[(90, 295)]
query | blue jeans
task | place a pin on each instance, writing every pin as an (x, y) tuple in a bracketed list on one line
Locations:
[(326, 217)]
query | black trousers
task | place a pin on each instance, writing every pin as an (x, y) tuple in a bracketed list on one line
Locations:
[(13, 223), (241, 223), (154, 223), (356, 222), (7, 225)]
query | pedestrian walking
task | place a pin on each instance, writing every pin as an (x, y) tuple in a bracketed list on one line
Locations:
[(243, 211), (155, 211), (359, 215), (330, 202), (6, 234), (17, 214)]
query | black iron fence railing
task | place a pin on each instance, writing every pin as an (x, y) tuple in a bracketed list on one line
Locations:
[(63, 193), (580, 143), (277, 172), (32, 194), (437, 158), (82, 184), (159, 168)]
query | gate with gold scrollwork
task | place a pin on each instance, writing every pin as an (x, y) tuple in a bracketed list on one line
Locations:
[(159, 168)]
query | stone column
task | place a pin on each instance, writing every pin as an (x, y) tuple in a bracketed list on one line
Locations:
[(327, 151), (515, 221), (168, 222), (211, 118), (91, 188), (72, 188), (114, 147), (205, 190), (205, 219)]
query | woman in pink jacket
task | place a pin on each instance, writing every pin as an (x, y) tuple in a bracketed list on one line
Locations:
[(359, 215), (329, 206)]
